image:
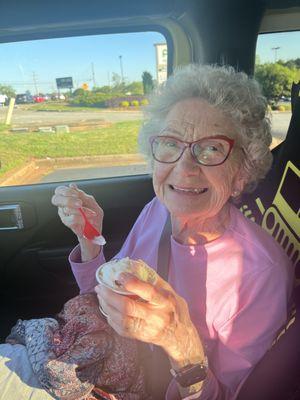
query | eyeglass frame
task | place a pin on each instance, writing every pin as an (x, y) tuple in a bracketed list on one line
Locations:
[(190, 145)]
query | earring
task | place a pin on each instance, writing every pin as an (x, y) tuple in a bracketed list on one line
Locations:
[(235, 193)]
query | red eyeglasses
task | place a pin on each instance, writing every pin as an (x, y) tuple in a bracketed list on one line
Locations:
[(209, 151)]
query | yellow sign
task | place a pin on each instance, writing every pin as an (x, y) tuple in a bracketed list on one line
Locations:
[(85, 86)]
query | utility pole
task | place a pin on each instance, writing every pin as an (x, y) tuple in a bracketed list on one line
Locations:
[(34, 77), (121, 67), (275, 49), (93, 75), (108, 78)]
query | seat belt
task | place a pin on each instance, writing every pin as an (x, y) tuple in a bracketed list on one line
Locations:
[(164, 248), (159, 375)]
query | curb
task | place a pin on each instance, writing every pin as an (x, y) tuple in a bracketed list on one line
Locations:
[(20, 175), (35, 169), (101, 161)]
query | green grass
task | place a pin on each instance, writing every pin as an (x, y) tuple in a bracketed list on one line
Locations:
[(3, 128), (16, 149)]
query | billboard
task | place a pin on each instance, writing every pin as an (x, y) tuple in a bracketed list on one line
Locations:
[(64, 83), (161, 62)]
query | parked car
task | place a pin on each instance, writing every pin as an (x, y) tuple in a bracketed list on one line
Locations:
[(24, 98), (3, 99), (285, 99), (58, 96), (39, 99)]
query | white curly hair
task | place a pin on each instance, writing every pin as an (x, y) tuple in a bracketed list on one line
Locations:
[(236, 94)]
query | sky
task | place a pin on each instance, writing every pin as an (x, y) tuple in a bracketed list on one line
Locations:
[(288, 43), (34, 65)]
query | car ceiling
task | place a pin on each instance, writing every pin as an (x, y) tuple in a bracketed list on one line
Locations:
[(18, 18)]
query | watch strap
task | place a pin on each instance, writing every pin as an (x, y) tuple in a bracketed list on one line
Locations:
[(191, 373)]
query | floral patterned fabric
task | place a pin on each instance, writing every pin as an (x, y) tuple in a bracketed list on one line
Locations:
[(79, 356)]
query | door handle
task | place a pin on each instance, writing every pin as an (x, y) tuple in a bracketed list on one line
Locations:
[(11, 217)]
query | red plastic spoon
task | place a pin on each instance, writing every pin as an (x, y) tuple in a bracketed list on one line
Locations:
[(90, 232)]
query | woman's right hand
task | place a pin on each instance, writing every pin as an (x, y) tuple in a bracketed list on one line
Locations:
[(69, 199)]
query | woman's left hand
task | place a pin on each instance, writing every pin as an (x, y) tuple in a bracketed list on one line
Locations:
[(158, 316)]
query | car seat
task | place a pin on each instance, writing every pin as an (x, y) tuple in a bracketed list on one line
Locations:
[(275, 205)]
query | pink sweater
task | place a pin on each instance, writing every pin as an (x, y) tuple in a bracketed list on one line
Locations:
[(237, 288)]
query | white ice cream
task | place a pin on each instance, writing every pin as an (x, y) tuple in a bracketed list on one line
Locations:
[(109, 272)]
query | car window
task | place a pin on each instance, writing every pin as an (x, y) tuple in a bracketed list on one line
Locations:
[(277, 67), (78, 105)]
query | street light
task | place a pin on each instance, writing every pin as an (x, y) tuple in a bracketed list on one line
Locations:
[(121, 67), (275, 52)]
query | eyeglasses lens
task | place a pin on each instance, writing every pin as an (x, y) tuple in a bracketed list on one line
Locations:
[(166, 149), (211, 151)]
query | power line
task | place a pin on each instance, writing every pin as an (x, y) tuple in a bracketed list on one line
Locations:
[(93, 75), (34, 77), (121, 67)]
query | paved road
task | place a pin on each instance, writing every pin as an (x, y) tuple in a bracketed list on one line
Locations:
[(76, 174), (29, 118), (280, 124)]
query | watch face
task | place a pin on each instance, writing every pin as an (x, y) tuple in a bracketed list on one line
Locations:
[(191, 374)]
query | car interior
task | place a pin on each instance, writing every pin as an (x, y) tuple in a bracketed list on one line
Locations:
[(36, 279)]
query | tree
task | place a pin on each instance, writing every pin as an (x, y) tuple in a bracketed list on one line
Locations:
[(134, 88), (147, 82), (293, 64), (102, 89), (116, 79), (118, 86), (276, 79), (8, 90), (78, 92)]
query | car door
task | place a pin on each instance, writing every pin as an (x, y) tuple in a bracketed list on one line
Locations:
[(35, 276)]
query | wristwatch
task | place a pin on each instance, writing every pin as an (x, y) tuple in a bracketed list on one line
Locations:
[(191, 373)]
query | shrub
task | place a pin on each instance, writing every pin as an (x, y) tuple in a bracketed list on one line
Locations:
[(275, 107), (78, 92), (288, 107), (144, 102), (117, 99), (90, 99), (124, 104), (99, 99), (281, 108)]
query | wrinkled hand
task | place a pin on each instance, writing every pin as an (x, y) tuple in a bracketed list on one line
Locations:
[(160, 317), (69, 199)]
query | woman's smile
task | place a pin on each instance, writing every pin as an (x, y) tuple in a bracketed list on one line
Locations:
[(190, 191)]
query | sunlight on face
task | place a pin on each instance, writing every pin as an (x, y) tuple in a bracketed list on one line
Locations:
[(186, 187)]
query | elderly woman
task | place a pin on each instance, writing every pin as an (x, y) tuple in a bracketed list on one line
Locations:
[(208, 138)]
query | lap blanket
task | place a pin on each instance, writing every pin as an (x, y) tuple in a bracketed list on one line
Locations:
[(79, 356), (17, 380)]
